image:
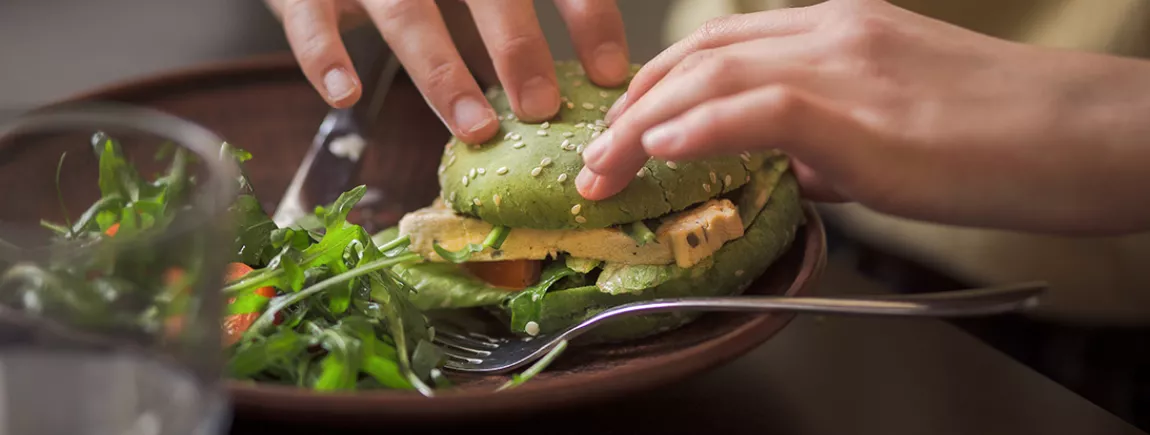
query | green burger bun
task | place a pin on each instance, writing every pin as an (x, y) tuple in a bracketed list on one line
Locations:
[(708, 227)]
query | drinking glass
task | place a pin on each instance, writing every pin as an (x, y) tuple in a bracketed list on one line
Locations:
[(114, 236)]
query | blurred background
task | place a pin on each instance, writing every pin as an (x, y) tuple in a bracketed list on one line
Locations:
[(1093, 340)]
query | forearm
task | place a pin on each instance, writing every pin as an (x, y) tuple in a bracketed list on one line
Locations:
[(1108, 106)]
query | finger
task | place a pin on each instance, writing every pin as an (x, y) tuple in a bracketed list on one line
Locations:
[(313, 34), (802, 124), (716, 33), (596, 30), (706, 75), (417, 35), (510, 30), (813, 186)]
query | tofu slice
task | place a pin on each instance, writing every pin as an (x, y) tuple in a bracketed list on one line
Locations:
[(695, 234)]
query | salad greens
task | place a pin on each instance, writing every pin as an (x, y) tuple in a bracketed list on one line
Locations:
[(321, 305)]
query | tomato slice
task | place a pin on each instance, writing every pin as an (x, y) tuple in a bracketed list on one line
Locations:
[(507, 274)]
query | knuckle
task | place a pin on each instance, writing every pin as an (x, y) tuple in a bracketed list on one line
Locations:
[(713, 28), (516, 46), (862, 35), (442, 75), (782, 101), (315, 49)]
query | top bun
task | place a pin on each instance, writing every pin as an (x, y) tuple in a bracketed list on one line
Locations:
[(524, 177)]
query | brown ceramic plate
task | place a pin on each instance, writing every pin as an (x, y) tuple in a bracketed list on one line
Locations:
[(266, 106)]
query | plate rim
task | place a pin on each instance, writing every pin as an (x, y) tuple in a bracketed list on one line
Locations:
[(293, 403)]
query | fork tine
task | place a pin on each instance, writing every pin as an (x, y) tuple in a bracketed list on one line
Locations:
[(480, 341), (462, 346)]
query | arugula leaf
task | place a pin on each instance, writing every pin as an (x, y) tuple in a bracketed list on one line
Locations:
[(527, 305), (582, 265), (248, 303), (494, 240), (445, 285), (253, 242), (519, 378), (639, 232), (633, 278), (341, 365), (254, 356)]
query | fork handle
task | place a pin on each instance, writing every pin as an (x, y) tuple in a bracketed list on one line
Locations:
[(962, 303)]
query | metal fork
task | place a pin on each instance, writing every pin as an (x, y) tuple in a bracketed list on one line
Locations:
[(477, 353)]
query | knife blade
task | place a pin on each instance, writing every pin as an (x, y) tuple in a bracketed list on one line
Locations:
[(334, 158)]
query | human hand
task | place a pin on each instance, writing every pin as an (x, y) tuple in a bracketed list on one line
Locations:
[(416, 32), (899, 112)]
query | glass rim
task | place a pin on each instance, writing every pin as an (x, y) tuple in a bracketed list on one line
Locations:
[(212, 197)]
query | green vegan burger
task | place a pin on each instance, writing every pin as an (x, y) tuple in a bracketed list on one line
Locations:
[(510, 232)]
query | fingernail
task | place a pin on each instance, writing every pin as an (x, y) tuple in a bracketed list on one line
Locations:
[(595, 150), (662, 138), (585, 181), (338, 84), (471, 115), (610, 62), (616, 109), (539, 98)]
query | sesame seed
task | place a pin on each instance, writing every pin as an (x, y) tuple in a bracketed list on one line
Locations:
[(496, 199), (508, 135), (588, 106), (569, 147), (471, 173), (562, 177), (541, 132), (516, 136), (499, 117), (672, 165), (707, 187), (510, 116), (466, 181), (545, 125), (570, 105), (518, 145), (745, 156), (536, 171), (502, 170), (580, 219), (642, 172), (595, 134), (577, 83), (481, 171), (600, 123), (714, 178), (564, 98), (451, 160), (568, 134), (441, 169), (579, 149), (727, 180), (575, 209), (545, 162), (603, 94), (564, 144), (580, 125), (569, 74), (477, 202), (739, 272), (603, 109)]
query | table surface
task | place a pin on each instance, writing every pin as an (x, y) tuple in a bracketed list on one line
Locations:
[(828, 375)]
